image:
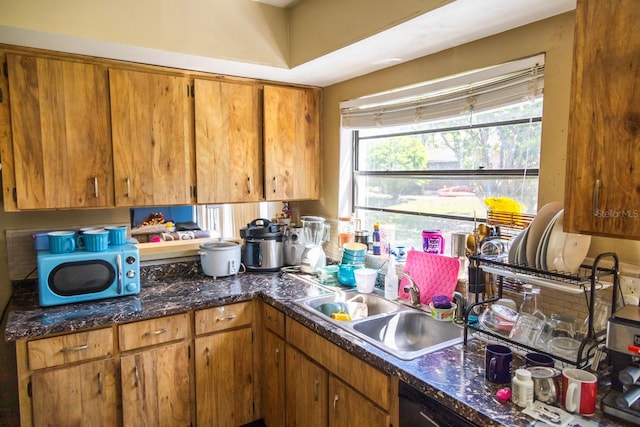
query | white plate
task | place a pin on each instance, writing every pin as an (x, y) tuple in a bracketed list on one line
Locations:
[(541, 253), (522, 250), (537, 227), (513, 247), (566, 251)]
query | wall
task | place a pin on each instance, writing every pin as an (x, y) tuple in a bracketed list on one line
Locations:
[(554, 36)]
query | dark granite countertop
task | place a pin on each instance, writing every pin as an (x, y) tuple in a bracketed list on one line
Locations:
[(453, 376)]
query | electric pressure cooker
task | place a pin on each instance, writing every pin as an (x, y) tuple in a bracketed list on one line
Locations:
[(263, 246)]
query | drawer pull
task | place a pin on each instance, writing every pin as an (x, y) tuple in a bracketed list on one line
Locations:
[(128, 182), (275, 184), (76, 348), (249, 186), (158, 332), (277, 357), (316, 383), (207, 355), (335, 403), (137, 376), (99, 382), (229, 317), (95, 187), (596, 196)]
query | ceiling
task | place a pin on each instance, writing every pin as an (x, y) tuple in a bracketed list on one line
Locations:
[(456, 23)]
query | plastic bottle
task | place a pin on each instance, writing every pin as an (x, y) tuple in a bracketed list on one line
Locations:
[(522, 388), (375, 237), (391, 281)]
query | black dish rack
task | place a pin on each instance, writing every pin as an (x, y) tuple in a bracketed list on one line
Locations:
[(587, 280)]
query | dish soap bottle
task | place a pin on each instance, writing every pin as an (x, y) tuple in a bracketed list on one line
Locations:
[(375, 237), (391, 281)]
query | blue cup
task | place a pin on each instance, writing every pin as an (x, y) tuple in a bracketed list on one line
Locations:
[(498, 360), (61, 242), (117, 235), (93, 240)]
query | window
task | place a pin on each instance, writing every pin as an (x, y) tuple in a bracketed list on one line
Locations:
[(433, 156)]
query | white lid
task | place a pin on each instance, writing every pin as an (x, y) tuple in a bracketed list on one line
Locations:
[(523, 374)]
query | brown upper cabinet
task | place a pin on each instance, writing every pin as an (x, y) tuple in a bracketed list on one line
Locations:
[(293, 158), (80, 132), (152, 131), (602, 191), (228, 142), (61, 139)]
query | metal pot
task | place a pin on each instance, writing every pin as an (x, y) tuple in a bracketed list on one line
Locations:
[(263, 246), (547, 383), (220, 259)]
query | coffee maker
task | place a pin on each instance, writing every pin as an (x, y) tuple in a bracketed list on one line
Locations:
[(623, 343)]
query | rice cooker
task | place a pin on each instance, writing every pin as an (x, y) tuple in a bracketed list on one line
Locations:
[(263, 246), (220, 259)]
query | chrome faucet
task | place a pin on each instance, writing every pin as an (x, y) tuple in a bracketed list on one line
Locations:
[(412, 290), (461, 308)]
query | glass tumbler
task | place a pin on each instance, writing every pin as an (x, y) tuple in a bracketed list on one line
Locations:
[(527, 329)]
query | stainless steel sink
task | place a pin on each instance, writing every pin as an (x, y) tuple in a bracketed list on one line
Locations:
[(375, 303), (409, 333), (403, 331)]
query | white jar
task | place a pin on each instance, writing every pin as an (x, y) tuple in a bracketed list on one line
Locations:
[(522, 388)]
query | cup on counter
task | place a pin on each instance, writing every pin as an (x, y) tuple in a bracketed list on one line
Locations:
[(579, 391), (61, 242), (117, 235), (94, 240), (365, 279), (498, 360), (538, 359)]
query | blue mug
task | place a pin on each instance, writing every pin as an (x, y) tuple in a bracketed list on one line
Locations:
[(61, 242), (94, 240), (117, 235)]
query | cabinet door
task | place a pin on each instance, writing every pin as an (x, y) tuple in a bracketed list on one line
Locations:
[(602, 183), (224, 378), (81, 395), (273, 368), (155, 387), (349, 408), (61, 135), (293, 159), (306, 390), (228, 142), (152, 126)]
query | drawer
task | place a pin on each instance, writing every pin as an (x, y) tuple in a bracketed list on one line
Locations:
[(273, 319), (224, 317), (153, 331), (76, 347)]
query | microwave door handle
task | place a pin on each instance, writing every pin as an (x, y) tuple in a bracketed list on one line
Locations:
[(119, 267)]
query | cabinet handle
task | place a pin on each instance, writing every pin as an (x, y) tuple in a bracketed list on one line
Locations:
[(275, 184), (249, 185), (137, 376), (229, 317), (596, 196), (207, 355), (76, 348), (157, 332), (128, 181), (95, 186), (277, 357), (335, 404), (99, 382), (316, 383)]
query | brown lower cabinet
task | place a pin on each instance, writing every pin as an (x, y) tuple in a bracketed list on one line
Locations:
[(306, 391)]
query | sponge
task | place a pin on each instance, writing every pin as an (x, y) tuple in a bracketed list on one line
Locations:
[(441, 301)]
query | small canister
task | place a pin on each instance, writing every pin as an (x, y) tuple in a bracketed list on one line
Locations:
[(432, 241), (362, 236)]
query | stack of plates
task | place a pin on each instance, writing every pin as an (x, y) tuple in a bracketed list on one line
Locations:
[(546, 246)]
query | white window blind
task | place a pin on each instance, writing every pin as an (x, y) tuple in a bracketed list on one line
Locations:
[(476, 91)]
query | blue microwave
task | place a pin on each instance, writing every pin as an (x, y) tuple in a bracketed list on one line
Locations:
[(81, 276)]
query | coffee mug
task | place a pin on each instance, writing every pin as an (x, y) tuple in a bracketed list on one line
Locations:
[(579, 391), (93, 240), (498, 360), (61, 242), (117, 235), (538, 359)]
